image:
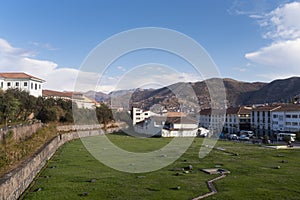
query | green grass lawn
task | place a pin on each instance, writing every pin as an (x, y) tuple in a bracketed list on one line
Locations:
[(253, 175)]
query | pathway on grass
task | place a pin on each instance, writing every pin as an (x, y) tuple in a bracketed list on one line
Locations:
[(211, 187)]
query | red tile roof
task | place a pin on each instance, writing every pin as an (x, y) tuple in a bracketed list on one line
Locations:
[(181, 120), (175, 114), (19, 75), (266, 108), (288, 107), (52, 93)]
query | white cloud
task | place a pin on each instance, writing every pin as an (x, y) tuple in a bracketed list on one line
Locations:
[(47, 46), (66, 79), (282, 25), (283, 54), (121, 68), (19, 60), (240, 69)]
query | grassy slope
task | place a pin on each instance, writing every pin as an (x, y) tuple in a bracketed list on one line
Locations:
[(252, 174)]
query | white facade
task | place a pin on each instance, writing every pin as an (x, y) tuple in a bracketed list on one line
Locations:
[(285, 120), (277, 118), (21, 81), (139, 115), (150, 126), (261, 120), (179, 133)]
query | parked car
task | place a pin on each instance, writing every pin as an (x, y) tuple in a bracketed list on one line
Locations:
[(244, 138), (247, 133), (233, 137)]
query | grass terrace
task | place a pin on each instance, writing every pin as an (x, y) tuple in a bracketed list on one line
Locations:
[(256, 173)]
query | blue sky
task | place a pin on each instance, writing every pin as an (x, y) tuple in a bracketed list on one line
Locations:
[(254, 40)]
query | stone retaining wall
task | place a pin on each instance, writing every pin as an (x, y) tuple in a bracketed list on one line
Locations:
[(20, 131), (14, 183)]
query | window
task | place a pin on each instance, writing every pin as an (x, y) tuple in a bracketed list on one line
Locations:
[(40, 86), (25, 84), (275, 116), (1, 84), (280, 118), (288, 123), (35, 87), (31, 85), (8, 84), (288, 116), (294, 116), (17, 84), (138, 113), (295, 124)]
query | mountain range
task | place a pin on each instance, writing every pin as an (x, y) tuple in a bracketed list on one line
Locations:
[(237, 93)]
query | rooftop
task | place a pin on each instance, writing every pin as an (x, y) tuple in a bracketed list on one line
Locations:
[(52, 93), (288, 107), (19, 75)]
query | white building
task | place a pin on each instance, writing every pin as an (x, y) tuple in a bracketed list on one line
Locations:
[(233, 121), (286, 118), (261, 119), (169, 124), (150, 126), (139, 115), (21, 81), (180, 127)]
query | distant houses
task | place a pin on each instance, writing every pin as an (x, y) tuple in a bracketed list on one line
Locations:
[(164, 124), (22, 81), (261, 120)]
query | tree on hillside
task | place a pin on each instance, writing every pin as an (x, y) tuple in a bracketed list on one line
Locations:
[(104, 114)]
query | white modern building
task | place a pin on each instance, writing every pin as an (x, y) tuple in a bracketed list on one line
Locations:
[(234, 120), (261, 119), (139, 115), (183, 126), (21, 81), (286, 118)]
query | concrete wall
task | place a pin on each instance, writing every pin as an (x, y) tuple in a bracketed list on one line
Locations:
[(179, 133), (14, 183), (68, 128), (21, 131)]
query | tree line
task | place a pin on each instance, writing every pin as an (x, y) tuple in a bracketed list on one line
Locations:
[(18, 106)]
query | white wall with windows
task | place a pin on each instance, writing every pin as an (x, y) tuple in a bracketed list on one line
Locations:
[(286, 121), (34, 87)]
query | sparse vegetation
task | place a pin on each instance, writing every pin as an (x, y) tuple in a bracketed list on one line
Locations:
[(12, 152)]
